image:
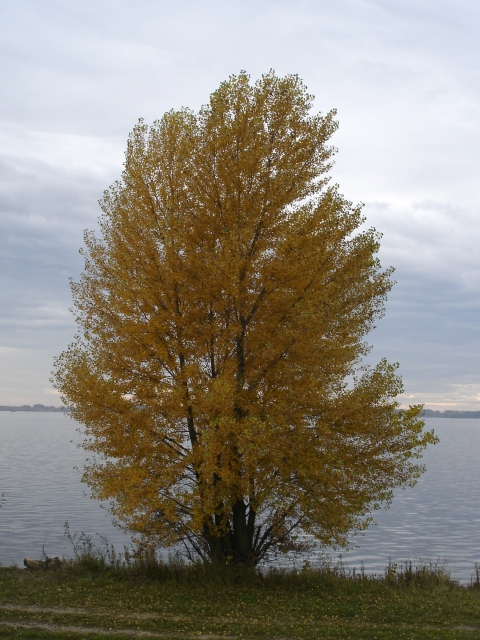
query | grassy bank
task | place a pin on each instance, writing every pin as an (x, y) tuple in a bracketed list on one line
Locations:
[(88, 599)]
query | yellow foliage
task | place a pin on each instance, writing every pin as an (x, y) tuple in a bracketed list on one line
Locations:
[(221, 311)]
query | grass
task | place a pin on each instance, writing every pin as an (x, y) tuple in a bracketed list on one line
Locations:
[(103, 596)]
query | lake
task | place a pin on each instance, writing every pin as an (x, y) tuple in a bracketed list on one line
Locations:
[(439, 517)]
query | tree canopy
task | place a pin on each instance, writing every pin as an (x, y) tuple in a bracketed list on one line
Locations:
[(222, 317)]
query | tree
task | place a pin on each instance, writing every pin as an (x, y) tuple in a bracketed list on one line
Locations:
[(222, 314)]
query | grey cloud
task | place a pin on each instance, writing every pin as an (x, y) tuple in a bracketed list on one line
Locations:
[(431, 324), (44, 212)]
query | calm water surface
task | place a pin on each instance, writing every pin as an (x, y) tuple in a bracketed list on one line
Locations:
[(42, 488), (439, 517)]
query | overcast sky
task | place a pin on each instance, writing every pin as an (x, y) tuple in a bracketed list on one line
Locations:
[(403, 75)]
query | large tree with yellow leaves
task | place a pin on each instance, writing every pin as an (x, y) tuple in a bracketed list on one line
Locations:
[(221, 312)]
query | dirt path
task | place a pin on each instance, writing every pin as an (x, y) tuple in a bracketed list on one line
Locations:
[(131, 615), (137, 633), (130, 633), (91, 612)]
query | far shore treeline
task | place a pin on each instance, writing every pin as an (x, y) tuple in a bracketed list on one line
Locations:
[(36, 407), (427, 413), (450, 413)]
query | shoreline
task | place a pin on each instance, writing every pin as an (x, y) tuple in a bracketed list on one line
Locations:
[(427, 413)]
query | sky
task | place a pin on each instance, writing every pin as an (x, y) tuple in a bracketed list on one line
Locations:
[(403, 76)]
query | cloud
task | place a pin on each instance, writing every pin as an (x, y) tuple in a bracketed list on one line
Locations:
[(431, 323), (24, 376), (51, 392)]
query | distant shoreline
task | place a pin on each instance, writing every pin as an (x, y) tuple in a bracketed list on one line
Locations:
[(450, 413), (427, 413), (36, 407)]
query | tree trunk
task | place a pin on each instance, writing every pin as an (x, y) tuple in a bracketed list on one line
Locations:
[(235, 544)]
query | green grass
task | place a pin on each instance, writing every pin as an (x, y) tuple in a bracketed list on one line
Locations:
[(180, 601)]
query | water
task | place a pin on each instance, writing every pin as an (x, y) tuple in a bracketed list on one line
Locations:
[(439, 517), (42, 489)]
